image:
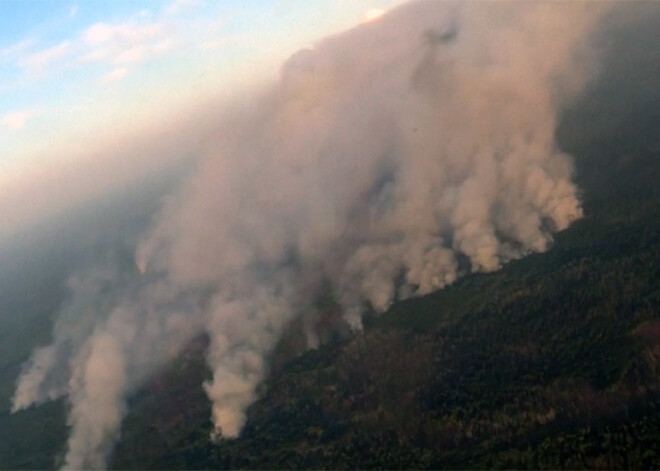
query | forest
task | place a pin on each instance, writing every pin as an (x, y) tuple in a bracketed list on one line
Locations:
[(552, 362)]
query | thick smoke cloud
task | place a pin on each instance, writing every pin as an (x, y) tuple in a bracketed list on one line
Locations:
[(386, 162)]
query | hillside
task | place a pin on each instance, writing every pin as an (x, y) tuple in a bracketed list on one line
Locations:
[(551, 362)]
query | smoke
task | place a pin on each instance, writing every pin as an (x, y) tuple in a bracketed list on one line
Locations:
[(386, 162)]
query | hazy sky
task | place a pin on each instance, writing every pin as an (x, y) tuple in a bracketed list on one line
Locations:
[(76, 77), (381, 163)]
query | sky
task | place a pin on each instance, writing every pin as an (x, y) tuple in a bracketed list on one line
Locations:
[(383, 160), (384, 163), (73, 73)]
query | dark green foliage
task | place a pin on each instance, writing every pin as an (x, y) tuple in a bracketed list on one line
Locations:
[(552, 362), (33, 439)]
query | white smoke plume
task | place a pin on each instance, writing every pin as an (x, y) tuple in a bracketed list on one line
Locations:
[(387, 161)]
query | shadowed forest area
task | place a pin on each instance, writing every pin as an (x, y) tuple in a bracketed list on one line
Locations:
[(551, 362)]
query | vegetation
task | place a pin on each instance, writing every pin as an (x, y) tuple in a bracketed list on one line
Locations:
[(551, 362)]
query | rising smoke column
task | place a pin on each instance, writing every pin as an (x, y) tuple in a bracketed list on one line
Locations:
[(386, 161)]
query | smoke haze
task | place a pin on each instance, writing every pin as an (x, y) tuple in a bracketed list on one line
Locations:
[(386, 162)]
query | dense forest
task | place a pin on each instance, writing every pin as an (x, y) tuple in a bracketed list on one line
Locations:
[(551, 362)]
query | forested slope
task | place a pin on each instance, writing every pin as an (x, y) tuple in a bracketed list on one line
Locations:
[(551, 362)]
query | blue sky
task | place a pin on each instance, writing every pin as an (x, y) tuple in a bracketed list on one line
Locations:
[(95, 93), (71, 68)]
